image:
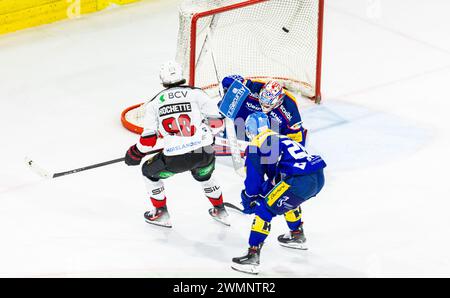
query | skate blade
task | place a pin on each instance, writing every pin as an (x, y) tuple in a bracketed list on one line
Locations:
[(222, 221), (249, 269), (159, 224), (300, 246)]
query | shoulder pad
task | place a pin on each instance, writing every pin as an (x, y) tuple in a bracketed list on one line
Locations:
[(190, 87), (289, 97), (156, 96)]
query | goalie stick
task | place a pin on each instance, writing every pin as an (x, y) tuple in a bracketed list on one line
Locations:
[(46, 174), (238, 163)]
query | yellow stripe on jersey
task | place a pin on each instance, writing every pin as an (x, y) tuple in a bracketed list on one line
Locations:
[(290, 95), (261, 81), (277, 192), (298, 137), (259, 139), (261, 226), (293, 215)]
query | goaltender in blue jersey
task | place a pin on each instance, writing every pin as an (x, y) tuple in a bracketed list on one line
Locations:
[(280, 176), (273, 100)]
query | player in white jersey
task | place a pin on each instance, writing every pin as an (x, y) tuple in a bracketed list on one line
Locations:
[(182, 117)]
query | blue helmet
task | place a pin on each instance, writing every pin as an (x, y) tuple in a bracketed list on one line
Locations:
[(227, 81), (255, 124)]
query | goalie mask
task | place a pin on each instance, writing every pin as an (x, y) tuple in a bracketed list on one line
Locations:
[(171, 73), (255, 124), (271, 96)]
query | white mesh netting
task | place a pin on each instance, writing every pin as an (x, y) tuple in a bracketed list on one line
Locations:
[(275, 38), (268, 39)]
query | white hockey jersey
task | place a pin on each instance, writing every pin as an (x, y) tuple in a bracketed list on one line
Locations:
[(178, 114)]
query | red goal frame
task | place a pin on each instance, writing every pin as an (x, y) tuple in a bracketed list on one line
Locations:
[(196, 17)]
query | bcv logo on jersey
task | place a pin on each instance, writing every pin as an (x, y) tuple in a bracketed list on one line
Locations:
[(177, 94)]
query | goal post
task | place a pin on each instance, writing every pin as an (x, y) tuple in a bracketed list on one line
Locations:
[(263, 39)]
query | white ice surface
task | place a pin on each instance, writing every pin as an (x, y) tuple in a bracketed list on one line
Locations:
[(383, 129)]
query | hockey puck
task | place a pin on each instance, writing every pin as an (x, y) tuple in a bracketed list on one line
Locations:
[(285, 29)]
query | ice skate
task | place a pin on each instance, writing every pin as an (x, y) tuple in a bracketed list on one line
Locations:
[(294, 239), (220, 214), (159, 217), (248, 263)]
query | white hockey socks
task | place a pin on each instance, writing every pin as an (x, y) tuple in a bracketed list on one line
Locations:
[(213, 192), (156, 193)]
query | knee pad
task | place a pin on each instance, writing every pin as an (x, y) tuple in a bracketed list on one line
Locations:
[(153, 167), (204, 174)]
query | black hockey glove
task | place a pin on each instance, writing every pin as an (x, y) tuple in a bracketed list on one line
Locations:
[(134, 156)]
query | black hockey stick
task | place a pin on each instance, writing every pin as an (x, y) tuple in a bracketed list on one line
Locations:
[(46, 174), (232, 206)]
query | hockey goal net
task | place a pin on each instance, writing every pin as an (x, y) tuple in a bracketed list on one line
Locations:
[(264, 39)]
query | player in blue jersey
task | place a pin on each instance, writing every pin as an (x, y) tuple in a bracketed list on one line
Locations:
[(273, 100), (281, 175)]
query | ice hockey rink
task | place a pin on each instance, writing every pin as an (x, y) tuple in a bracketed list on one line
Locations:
[(383, 129)]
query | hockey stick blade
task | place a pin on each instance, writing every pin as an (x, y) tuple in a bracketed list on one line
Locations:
[(37, 169)]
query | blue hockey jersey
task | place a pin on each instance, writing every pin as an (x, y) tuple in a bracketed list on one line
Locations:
[(286, 115), (277, 157)]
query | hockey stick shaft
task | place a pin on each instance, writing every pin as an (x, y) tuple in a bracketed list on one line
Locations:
[(44, 173), (232, 206), (94, 166), (98, 165)]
